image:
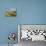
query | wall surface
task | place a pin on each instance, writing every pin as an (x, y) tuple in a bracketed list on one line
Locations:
[(28, 12)]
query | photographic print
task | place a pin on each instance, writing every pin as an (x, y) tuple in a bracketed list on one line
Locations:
[(10, 12)]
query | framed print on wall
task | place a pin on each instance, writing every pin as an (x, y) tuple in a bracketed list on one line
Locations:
[(10, 12)]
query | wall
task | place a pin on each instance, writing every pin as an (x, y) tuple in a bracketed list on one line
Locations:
[(28, 12)]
